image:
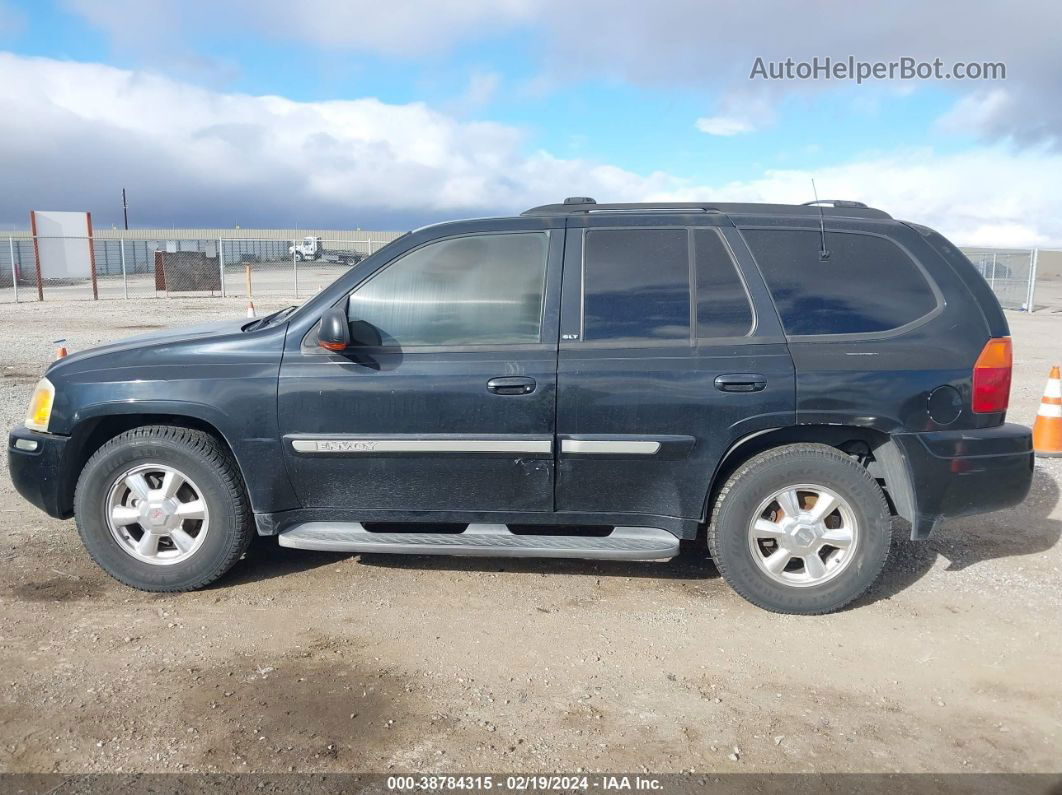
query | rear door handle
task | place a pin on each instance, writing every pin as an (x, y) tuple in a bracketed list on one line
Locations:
[(511, 385), (741, 382)]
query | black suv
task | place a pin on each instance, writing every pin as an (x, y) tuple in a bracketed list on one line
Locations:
[(583, 381)]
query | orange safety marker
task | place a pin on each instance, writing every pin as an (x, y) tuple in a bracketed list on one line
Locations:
[(60, 352), (1047, 430)]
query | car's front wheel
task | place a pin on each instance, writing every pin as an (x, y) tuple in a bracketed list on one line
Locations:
[(801, 528), (163, 508)]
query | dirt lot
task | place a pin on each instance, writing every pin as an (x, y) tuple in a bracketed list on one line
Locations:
[(327, 662)]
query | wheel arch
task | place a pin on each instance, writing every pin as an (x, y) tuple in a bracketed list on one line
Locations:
[(92, 432), (874, 449)]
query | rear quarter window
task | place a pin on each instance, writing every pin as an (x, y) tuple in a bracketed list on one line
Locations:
[(723, 308), (869, 284)]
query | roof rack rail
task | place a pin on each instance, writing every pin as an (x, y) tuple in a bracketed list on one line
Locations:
[(672, 210), (575, 205), (835, 203), (581, 205)]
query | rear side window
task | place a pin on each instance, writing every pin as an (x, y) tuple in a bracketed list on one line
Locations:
[(723, 308), (636, 285), (868, 284)]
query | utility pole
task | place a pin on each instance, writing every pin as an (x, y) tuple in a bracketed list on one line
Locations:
[(125, 210)]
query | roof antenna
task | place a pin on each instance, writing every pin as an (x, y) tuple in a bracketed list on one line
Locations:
[(824, 253)]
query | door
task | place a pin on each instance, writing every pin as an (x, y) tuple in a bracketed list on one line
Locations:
[(663, 363), (454, 410)]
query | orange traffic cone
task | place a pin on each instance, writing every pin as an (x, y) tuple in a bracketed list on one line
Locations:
[(1047, 430), (60, 352), (250, 309)]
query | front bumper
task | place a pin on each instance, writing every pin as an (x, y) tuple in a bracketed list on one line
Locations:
[(958, 473), (38, 474)]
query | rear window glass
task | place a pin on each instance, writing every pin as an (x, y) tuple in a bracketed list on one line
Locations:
[(723, 308), (636, 285), (868, 284)]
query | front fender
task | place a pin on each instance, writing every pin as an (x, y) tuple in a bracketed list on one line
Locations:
[(254, 444), (179, 408)]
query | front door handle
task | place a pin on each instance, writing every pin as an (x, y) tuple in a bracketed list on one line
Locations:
[(511, 385), (741, 382)]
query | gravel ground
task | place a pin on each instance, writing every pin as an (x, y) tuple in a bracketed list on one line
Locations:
[(328, 662)]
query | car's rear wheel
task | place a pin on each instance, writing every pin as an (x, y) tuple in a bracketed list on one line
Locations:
[(163, 508), (801, 528)]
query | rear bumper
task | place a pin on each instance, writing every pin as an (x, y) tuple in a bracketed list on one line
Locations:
[(38, 473), (957, 473)]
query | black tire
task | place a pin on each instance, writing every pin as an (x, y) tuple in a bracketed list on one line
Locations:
[(202, 458), (760, 477)]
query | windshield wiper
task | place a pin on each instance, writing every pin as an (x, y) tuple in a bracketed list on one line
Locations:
[(270, 318), (283, 313)]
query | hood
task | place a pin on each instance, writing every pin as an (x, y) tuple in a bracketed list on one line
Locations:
[(153, 338)]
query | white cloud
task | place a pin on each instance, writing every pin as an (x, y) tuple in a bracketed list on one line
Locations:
[(1024, 114), (984, 196), (411, 28), (975, 112), (723, 125), (85, 130), (681, 42), (714, 46), (192, 156)]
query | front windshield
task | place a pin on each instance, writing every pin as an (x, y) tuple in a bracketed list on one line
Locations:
[(372, 257)]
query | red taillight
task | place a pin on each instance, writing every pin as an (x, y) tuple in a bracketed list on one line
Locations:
[(991, 377)]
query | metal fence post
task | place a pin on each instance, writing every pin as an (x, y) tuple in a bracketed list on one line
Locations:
[(295, 266), (221, 267), (1031, 295), (14, 270), (37, 255), (125, 276)]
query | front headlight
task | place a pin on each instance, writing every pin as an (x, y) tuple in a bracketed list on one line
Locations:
[(40, 407)]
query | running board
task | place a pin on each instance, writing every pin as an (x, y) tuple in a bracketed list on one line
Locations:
[(485, 540)]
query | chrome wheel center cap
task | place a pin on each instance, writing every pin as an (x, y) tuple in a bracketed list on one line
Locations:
[(157, 514), (804, 536)]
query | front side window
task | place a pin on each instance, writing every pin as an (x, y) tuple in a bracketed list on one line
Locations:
[(868, 284), (636, 285), (474, 290)]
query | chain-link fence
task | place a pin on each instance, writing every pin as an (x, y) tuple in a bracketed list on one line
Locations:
[(1011, 273), (17, 270), (42, 268)]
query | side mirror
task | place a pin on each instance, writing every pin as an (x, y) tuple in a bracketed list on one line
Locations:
[(335, 330)]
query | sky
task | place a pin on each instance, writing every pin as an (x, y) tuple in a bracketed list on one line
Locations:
[(358, 114)]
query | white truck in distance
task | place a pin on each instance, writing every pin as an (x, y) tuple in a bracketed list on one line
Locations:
[(312, 248)]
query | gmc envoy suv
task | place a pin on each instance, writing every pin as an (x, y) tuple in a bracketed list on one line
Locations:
[(581, 381)]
